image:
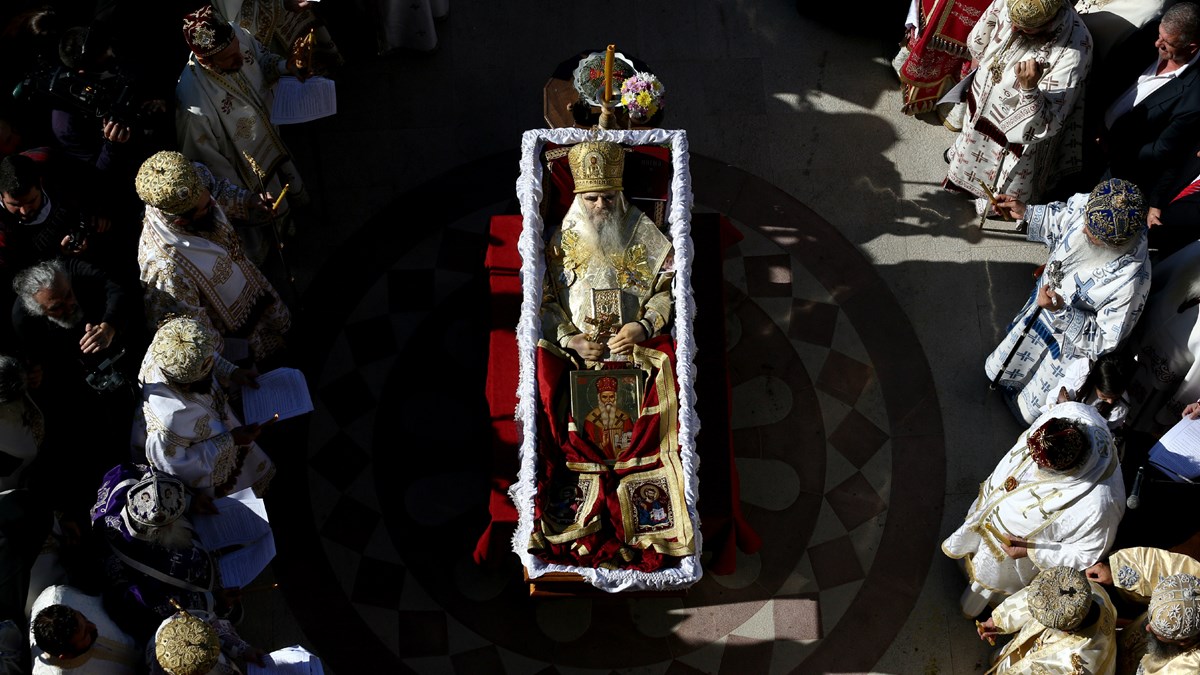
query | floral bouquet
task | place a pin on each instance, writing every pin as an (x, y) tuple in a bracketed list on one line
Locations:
[(642, 95)]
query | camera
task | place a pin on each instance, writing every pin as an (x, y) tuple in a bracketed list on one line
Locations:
[(101, 97), (77, 237), (104, 377)]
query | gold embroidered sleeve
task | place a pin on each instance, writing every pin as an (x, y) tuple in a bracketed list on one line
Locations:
[(1137, 570), (556, 323), (226, 461), (659, 306), (1012, 614)]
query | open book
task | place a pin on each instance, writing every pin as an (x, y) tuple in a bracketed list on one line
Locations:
[(241, 534), (1177, 453), (295, 660)]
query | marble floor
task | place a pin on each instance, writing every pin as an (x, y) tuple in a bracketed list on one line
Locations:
[(860, 304)]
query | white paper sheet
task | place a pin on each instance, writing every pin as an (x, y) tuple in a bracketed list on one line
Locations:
[(297, 101), (295, 660), (241, 521), (240, 567), (283, 391), (1178, 451)]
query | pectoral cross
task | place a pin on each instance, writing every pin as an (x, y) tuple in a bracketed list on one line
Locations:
[(1055, 274)]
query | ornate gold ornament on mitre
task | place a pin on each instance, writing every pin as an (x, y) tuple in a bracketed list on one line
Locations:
[(597, 166), (1033, 13)]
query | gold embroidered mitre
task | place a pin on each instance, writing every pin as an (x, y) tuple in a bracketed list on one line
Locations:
[(1032, 13), (596, 166), (168, 182), (183, 349), (186, 645)]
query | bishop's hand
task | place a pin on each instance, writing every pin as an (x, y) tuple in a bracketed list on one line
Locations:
[(630, 334), (1016, 548), (1029, 72), (591, 351), (1100, 573), (1048, 299)]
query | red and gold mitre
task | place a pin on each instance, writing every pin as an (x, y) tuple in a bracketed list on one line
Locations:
[(205, 32), (604, 384), (596, 166), (1058, 444)]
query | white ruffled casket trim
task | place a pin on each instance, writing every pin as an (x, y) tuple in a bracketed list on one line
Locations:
[(533, 267)]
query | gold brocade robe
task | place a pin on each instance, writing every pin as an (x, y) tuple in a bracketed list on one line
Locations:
[(643, 272), (221, 118), (1135, 572), (1036, 649)]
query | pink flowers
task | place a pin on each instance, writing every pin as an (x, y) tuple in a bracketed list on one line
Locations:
[(643, 95)]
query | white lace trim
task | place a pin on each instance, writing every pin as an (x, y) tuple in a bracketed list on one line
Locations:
[(531, 246)]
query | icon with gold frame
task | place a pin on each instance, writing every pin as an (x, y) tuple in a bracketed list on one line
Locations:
[(605, 404)]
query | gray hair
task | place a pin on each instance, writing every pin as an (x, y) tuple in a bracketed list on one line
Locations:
[(1183, 20), (29, 281)]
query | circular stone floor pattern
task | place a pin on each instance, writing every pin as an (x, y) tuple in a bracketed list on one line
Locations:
[(837, 431)]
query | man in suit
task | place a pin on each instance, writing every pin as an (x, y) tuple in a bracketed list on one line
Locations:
[(1146, 121), (1174, 201)]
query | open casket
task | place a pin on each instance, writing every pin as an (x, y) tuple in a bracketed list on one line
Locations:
[(665, 559)]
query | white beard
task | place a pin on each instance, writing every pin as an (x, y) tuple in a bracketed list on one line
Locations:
[(608, 415), (603, 233), (68, 321)]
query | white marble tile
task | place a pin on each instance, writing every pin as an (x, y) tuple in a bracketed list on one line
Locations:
[(706, 659), (800, 580), (761, 626)]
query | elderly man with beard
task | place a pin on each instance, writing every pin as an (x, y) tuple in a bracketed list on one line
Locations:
[(607, 298), (1088, 297), (154, 555), (609, 269), (192, 262), (1165, 640), (74, 327), (1055, 499), (607, 425), (223, 114)]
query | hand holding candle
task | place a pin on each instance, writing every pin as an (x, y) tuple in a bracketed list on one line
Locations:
[(282, 194), (608, 67)]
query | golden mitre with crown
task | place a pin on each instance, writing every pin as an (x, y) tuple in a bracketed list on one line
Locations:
[(597, 166)]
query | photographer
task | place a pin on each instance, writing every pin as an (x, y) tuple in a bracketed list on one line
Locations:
[(74, 327), (101, 117), (44, 216)]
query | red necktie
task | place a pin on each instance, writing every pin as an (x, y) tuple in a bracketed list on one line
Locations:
[(1192, 187)]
